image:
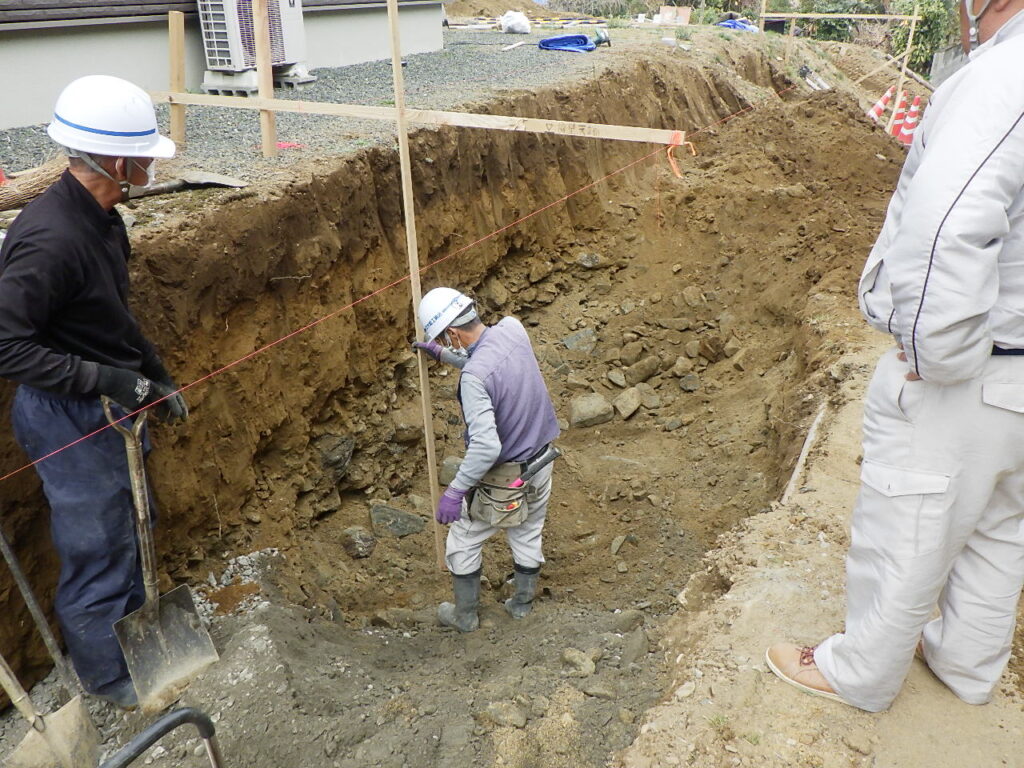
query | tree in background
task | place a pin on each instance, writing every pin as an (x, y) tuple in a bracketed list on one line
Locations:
[(938, 29)]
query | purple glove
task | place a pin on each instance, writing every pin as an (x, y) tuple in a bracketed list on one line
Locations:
[(431, 348), (449, 508)]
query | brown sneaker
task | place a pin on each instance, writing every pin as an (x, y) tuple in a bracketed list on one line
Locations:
[(795, 665)]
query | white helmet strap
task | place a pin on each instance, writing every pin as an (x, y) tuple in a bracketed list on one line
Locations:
[(972, 21), (90, 161)]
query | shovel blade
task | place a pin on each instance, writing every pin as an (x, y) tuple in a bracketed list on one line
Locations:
[(165, 648), (69, 740)]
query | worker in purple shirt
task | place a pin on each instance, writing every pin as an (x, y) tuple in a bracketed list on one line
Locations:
[(510, 423)]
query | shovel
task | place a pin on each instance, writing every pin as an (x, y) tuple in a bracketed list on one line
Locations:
[(68, 679), (66, 738), (164, 642)]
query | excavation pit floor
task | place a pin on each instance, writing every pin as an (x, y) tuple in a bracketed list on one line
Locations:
[(713, 310)]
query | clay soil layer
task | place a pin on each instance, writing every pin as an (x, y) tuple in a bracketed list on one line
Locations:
[(719, 303)]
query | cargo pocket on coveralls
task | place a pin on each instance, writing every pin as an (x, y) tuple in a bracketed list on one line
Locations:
[(1008, 395), (907, 519)]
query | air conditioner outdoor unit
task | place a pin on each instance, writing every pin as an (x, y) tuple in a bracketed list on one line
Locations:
[(230, 44)]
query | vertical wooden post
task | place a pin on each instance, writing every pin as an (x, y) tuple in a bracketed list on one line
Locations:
[(412, 248), (176, 44), (264, 75), (764, 10), (903, 70), (789, 40)]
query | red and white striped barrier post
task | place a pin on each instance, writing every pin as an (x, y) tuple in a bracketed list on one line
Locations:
[(906, 134), (876, 112), (900, 116)]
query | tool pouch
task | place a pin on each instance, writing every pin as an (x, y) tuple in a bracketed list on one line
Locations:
[(494, 503)]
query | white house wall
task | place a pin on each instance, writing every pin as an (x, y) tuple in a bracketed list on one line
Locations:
[(36, 64)]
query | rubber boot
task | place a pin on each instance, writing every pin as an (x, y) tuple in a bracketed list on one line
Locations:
[(461, 614), (521, 603)]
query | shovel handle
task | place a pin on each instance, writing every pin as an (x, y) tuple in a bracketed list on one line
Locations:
[(18, 696), (137, 473), (68, 678)]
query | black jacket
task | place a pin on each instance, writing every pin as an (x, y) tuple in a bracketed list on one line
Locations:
[(64, 294)]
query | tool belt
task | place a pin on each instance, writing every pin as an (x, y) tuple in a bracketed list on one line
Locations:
[(494, 503)]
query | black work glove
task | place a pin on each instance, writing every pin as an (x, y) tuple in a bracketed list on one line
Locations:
[(154, 369), (132, 391)]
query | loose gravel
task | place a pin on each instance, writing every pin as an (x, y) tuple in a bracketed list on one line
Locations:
[(471, 67)]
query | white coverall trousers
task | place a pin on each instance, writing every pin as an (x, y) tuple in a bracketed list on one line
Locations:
[(939, 520), (466, 537)]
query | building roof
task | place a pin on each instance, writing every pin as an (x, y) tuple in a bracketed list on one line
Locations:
[(29, 14)]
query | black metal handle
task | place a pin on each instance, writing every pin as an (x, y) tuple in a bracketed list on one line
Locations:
[(133, 750)]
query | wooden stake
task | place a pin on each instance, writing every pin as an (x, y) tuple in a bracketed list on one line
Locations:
[(176, 47), (903, 69), (764, 10), (409, 206), (789, 40), (264, 75)]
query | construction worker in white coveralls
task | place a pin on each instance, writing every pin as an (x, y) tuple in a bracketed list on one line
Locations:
[(939, 522), (510, 423)]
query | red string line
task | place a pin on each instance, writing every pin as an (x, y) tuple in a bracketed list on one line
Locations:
[(377, 292)]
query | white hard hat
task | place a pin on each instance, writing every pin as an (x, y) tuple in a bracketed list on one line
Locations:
[(104, 115), (440, 308)]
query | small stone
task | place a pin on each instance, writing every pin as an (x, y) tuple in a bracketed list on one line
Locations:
[(540, 706), (732, 346), (599, 689), (506, 714), (712, 349), (692, 348), (617, 377), (642, 370), (626, 717), (673, 423), (692, 296), (590, 410), (677, 268), (621, 567), (449, 468), (540, 270), (408, 421), (396, 522), (358, 542), (739, 360), (617, 543), (628, 402), (636, 647), (582, 341), (627, 306), (253, 516), (690, 382), (649, 398), (686, 690), (579, 661), (576, 381), (631, 353), (627, 621), (683, 366), (589, 260)]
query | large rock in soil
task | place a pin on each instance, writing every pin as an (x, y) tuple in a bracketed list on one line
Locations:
[(590, 410), (394, 521)]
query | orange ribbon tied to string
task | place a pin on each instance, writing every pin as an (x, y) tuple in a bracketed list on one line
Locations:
[(678, 140)]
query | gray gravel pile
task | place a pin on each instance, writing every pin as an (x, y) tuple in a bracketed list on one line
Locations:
[(471, 66)]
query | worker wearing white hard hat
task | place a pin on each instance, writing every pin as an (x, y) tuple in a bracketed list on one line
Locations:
[(67, 336), (936, 557), (504, 479)]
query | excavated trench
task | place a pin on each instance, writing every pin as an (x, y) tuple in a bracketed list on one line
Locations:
[(699, 291)]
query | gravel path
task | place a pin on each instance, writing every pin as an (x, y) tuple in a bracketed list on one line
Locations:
[(470, 67)]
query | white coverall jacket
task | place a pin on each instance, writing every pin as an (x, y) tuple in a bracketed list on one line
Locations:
[(940, 516)]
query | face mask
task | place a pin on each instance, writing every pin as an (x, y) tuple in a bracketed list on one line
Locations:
[(150, 172)]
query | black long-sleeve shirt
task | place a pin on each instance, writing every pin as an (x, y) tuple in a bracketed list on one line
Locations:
[(64, 294)]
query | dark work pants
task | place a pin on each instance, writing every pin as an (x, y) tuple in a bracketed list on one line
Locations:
[(93, 525)]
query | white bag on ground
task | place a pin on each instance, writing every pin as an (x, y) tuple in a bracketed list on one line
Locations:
[(515, 23)]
